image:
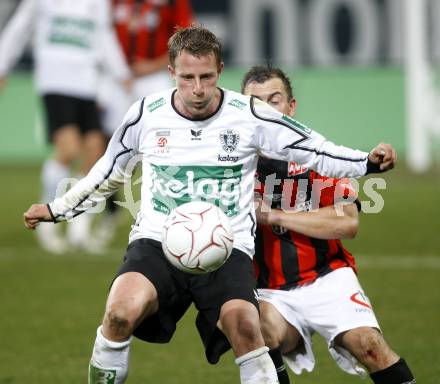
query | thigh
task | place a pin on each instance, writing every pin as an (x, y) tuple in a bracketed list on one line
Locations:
[(297, 343), (145, 256), (277, 331), (338, 289), (234, 280), (132, 297)]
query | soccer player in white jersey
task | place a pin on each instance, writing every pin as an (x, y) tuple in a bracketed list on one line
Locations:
[(196, 141), (305, 272), (70, 40)]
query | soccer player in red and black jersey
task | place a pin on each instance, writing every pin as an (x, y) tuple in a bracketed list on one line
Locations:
[(306, 278)]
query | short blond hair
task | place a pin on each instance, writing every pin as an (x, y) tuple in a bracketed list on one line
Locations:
[(196, 40)]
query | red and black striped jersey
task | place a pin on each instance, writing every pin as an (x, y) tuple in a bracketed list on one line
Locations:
[(283, 258), (144, 26)]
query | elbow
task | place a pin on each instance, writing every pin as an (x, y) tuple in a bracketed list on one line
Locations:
[(351, 226)]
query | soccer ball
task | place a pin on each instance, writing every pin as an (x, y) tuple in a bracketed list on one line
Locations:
[(197, 237)]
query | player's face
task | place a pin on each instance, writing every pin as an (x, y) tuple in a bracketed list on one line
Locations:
[(196, 79), (273, 93)]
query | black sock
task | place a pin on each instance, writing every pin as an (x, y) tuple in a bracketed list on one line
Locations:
[(277, 359), (398, 373)]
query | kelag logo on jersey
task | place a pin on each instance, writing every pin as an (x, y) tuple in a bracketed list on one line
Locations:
[(173, 186)]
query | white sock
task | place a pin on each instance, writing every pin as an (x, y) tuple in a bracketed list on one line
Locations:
[(78, 230), (257, 367), (52, 174), (109, 363)]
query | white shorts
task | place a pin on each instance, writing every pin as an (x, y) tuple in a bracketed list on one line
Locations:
[(115, 101), (333, 304)]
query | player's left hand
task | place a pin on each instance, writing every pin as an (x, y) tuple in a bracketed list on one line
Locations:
[(35, 214), (383, 155)]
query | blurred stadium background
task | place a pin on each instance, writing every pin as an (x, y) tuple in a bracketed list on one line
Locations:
[(351, 68)]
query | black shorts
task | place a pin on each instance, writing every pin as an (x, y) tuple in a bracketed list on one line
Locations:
[(177, 290), (62, 110)]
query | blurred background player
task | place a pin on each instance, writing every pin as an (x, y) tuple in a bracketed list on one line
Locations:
[(143, 28), (306, 278), (70, 40)]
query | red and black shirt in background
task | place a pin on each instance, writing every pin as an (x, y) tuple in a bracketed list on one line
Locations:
[(144, 26)]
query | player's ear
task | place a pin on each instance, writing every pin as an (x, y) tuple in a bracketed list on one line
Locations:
[(292, 106), (220, 67), (172, 71)]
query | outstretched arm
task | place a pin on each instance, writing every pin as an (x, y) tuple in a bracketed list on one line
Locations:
[(283, 138)]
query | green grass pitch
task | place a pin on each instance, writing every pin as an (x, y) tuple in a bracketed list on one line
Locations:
[(50, 305)]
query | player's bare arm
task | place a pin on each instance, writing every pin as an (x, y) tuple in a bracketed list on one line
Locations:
[(142, 67), (36, 214), (325, 223), (384, 156)]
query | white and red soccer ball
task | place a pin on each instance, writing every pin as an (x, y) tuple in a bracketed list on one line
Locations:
[(197, 237)]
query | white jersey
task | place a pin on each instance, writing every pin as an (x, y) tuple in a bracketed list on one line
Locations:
[(70, 39), (213, 159)]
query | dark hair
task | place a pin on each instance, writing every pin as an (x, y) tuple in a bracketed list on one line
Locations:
[(195, 39), (261, 74)]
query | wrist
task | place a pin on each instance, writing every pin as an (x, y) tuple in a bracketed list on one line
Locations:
[(372, 167), (273, 217)]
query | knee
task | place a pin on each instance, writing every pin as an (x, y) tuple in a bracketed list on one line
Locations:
[(247, 326), (240, 322), (119, 322), (372, 350)]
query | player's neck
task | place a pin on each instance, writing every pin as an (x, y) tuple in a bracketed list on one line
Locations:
[(192, 113)]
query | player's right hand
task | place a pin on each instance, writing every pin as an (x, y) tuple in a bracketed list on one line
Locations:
[(263, 211), (384, 156), (35, 214)]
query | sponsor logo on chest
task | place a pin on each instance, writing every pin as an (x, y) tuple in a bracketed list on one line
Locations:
[(161, 146), (294, 169), (175, 185), (196, 134)]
